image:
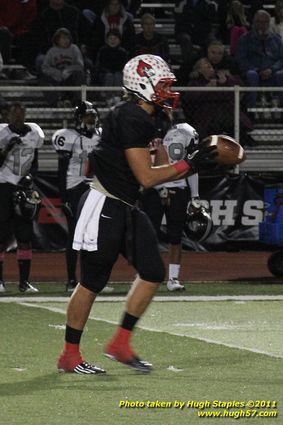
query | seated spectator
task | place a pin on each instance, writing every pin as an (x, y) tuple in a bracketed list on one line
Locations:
[(218, 58), (110, 61), (57, 14), (149, 40), (221, 61), (114, 16), (194, 25), (16, 18), (63, 65), (260, 57), (236, 23), (276, 22), (212, 112)]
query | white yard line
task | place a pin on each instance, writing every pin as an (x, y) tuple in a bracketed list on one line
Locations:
[(190, 298), (210, 341)]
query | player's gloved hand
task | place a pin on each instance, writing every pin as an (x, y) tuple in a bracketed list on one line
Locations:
[(68, 210), (192, 146), (202, 158), (194, 205)]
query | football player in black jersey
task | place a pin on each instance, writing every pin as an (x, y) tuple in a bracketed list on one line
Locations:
[(110, 223), (19, 144)]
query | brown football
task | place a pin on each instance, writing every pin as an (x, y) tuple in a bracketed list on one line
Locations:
[(229, 151)]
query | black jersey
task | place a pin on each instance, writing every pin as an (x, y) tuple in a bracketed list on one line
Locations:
[(126, 126)]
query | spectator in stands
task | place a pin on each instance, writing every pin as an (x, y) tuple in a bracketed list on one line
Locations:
[(110, 61), (236, 23), (16, 18), (114, 16), (149, 40), (221, 61), (276, 21), (57, 15), (63, 66), (91, 8), (218, 58), (194, 21), (213, 111), (260, 56), (19, 144)]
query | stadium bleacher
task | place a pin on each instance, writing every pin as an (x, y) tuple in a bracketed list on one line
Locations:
[(267, 155)]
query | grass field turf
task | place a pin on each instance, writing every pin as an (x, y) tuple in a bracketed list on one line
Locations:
[(186, 368)]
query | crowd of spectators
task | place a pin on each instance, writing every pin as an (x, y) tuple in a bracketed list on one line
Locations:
[(241, 41)]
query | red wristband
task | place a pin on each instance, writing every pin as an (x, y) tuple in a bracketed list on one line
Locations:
[(181, 166)]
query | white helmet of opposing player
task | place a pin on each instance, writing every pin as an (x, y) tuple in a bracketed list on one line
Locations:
[(150, 78)]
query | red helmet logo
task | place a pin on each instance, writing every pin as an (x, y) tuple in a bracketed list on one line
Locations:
[(144, 69)]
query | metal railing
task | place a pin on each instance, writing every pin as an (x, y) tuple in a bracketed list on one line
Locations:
[(267, 158)]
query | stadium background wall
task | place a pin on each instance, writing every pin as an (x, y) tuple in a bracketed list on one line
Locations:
[(236, 202)]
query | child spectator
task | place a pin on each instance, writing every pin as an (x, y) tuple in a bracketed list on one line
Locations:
[(63, 65), (114, 16), (110, 60), (213, 111), (221, 61)]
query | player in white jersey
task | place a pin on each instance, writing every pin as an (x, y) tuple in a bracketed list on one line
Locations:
[(73, 147), (172, 198), (19, 144)]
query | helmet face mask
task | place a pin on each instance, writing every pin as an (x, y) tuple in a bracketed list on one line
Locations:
[(26, 200), (198, 225), (164, 97), (150, 79), (87, 119)]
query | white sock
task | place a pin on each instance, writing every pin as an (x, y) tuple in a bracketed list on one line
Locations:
[(174, 270)]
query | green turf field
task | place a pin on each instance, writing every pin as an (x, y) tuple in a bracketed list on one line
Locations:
[(207, 351)]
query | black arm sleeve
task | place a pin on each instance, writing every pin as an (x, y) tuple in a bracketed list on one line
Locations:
[(34, 164), (63, 164)]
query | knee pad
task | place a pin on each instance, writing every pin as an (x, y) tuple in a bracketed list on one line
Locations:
[(96, 287), (156, 274)]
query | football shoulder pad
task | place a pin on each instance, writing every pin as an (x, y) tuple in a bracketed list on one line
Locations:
[(36, 129), (64, 139)]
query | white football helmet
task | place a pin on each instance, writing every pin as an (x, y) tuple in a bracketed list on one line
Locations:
[(149, 77)]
